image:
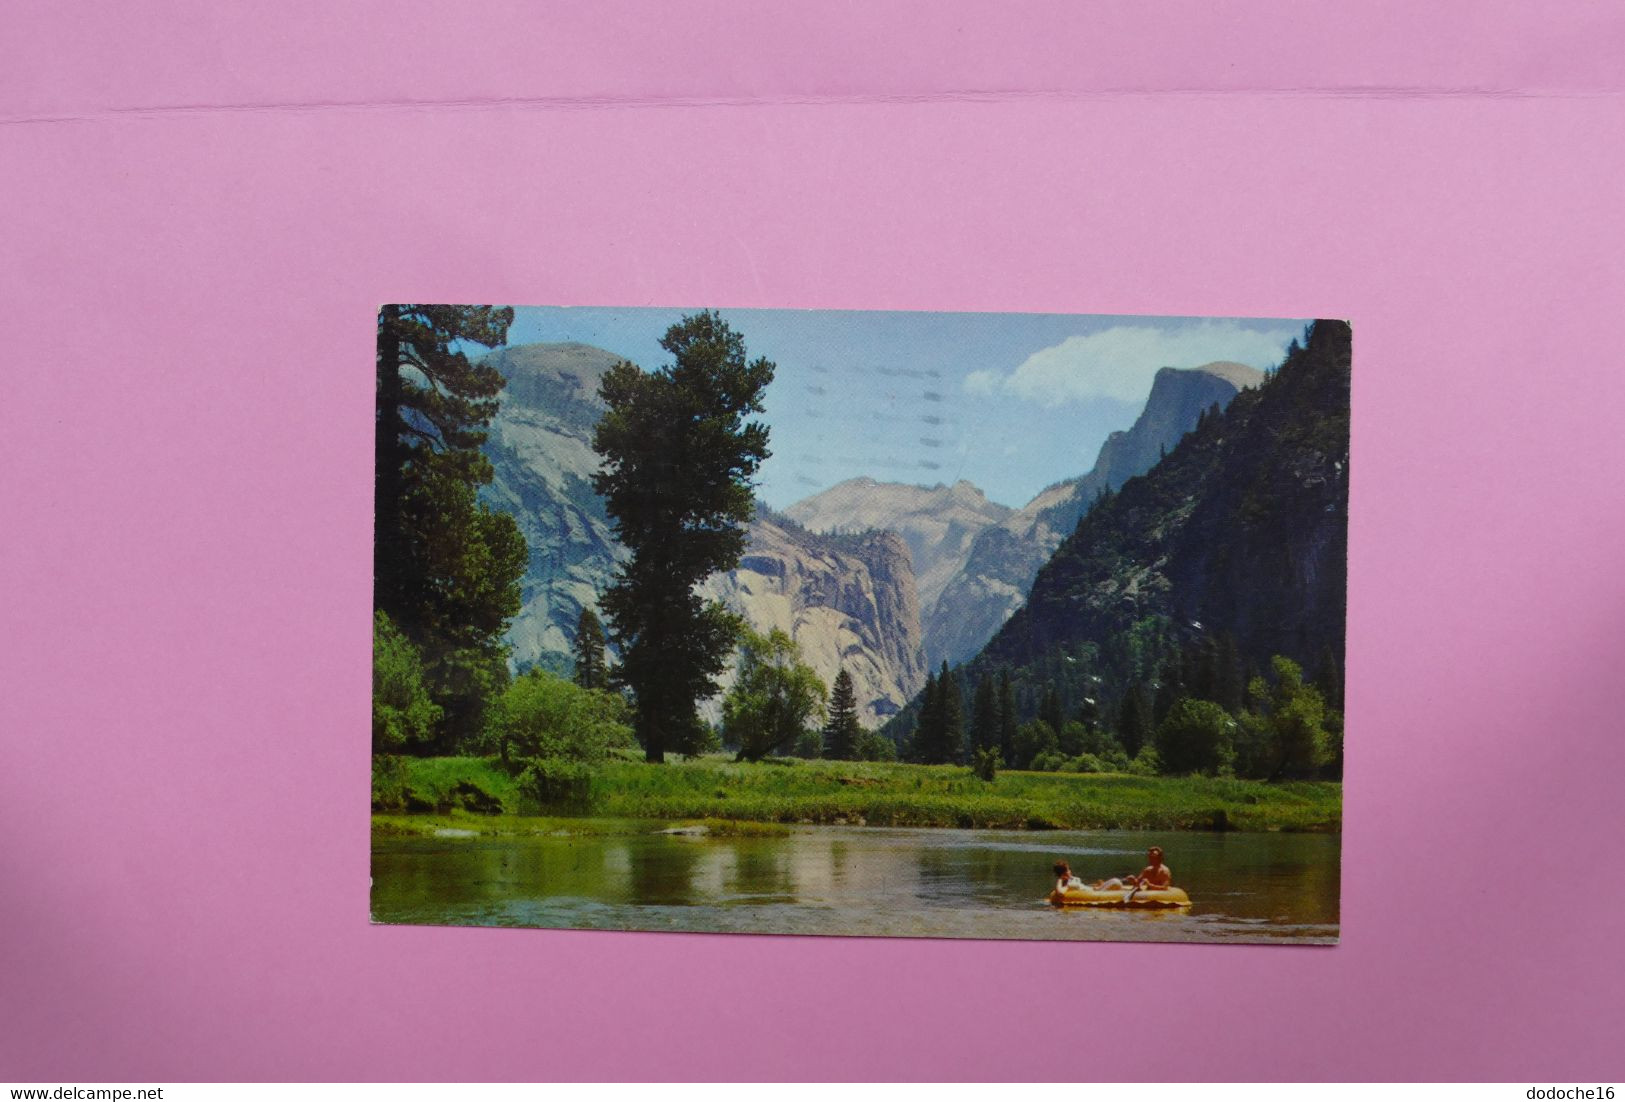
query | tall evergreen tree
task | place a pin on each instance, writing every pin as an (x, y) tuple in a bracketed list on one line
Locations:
[(679, 458), (592, 671), (841, 732), (952, 742), (1007, 718), (1170, 687), (1229, 677), (1050, 711), (1134, 726), (446, 567), (1330, 679), (985, 715), (928, 726)]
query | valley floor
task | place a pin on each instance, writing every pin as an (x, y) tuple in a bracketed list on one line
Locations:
[(726, 795)]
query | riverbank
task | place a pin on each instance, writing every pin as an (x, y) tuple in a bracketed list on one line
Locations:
[(717, 790)]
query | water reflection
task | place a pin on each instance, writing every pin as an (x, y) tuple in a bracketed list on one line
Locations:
[(832, 880)]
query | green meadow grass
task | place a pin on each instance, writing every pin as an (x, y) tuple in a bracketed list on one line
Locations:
[(725, 795)]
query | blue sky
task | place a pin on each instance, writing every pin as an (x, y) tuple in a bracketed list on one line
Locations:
[(1011, 402)]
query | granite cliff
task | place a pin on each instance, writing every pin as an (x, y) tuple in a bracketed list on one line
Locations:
[(1241, 532), (938, 523), (846, 599), (540, 448), (1004, 558)]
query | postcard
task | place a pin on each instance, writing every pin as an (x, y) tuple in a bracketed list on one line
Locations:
[(860, 623)]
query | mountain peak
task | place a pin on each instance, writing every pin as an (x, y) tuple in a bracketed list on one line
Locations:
[(1237, 375), (543, 375)]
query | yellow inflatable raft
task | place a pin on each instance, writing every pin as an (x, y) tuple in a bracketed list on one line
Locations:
[(1085, 897)]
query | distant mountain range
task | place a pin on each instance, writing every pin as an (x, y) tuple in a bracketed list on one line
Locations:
[(847, 600), (976, 559), (1240, 533), (882, 578), (1004, 559), (540, 448), (939, 523)]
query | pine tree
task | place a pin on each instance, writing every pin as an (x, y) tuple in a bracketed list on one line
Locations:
[(678, 460), (952, 744), (842, 733), (1170, 687), (985, 716), (1134, 726), (1330, 679), (1202, 661), (1230, 679), (1050, 711), (939, 737), (592, 672), (928, 726), (1007, 718), (446, 567)]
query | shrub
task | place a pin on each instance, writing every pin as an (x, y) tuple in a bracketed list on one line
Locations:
[(541, 715), (1145, 763), (1254, 745), (1101, 743), (402, 713), (876, 747), (388, 782), (471, 797), (985, 763), (557, 783), (1050, 761), (1195, 737), (1085, 763), (1072, 739), (1033, 739)]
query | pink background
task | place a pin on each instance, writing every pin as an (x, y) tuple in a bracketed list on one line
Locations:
[(202, 204)]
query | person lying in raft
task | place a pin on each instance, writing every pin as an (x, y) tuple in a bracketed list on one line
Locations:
[(1064, 878)]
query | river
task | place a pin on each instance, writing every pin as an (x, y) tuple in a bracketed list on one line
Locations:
[(861, 881)]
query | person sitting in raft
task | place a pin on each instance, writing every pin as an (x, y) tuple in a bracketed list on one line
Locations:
[(1155, 876), (1064, 878)]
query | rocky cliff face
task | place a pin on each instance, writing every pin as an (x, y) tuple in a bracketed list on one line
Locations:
[(939, 523), (540, 448), (1004, 559), (1243, 531), (847, 601)]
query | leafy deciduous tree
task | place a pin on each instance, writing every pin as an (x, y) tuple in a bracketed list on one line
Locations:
[(1195, 737), (775, 698), (543, 716), (402, 713)]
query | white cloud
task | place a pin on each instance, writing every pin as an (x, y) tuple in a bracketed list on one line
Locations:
[(1120, 362), (982, 382)]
